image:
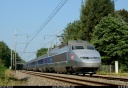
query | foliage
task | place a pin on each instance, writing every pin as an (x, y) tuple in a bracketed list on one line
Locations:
[(2, 71), (123, 68), (41, 52), (5, 55), (91, 14), (7, 77), (110, 38), (71, 31), (124, 14)]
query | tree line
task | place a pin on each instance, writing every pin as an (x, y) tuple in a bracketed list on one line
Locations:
[(5, 55)]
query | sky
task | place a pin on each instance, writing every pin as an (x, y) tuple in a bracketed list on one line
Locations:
[(20, 20)]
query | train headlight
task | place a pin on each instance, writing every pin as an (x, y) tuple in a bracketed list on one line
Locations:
[(89, 57), (96, 57), (84, 57)]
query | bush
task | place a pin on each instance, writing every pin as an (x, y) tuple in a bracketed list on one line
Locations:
[(2, 71), (123, 68)]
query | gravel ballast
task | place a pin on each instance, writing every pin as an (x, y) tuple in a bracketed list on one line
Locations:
[(39, 81)]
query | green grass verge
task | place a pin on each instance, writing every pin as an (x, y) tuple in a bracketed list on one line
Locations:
[(7, 78)]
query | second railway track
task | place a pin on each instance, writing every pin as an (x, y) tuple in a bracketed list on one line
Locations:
[(72, 80), (110, 78)]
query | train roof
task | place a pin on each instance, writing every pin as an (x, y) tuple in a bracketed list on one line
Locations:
[(71, 42), (74, 42)]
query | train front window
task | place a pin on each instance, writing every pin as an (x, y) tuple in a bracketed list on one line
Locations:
[(90, 47), (79, 47)]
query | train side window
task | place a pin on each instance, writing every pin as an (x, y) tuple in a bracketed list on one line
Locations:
[(40, 61), (44, 61), (50, 59), (72, 48)]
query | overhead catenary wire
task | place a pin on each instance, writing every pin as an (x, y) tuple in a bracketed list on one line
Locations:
[(49, 36), (59, 6), (50, 17)]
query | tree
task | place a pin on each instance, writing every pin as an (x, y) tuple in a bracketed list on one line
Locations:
[(91, 14), (71, 31), (124, 14), (41, 52), (5, 55), (111, 40)]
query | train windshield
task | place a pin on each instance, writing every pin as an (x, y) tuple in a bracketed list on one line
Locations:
[(90, 47), (77, 47), (82, 47)]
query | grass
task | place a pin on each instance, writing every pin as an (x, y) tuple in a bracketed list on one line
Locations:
[(112, 74), (9, 79)]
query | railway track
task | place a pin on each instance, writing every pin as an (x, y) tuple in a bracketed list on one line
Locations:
[(105, 77), (72, 80), (110, 78)]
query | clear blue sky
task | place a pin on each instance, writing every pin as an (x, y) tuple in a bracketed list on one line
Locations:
[(27, 16)]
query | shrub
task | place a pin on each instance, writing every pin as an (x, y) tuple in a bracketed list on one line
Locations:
[(2, 71)]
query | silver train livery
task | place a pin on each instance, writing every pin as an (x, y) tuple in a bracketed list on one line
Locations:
[(79, 57)]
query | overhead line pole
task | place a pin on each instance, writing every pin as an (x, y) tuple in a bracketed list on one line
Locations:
[(11, 57), (56, 37), (15, 51)]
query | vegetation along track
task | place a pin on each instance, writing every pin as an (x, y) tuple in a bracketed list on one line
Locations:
[(73, 80)]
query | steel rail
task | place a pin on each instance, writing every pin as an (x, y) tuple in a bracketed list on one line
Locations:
[(110, 78)]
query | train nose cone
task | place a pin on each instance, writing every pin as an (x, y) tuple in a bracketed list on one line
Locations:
[(87, 53)]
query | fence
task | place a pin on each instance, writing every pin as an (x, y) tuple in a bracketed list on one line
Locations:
[(107, 69)]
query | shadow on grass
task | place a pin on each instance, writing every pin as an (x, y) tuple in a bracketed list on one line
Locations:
[(13, 79), (16, 79)]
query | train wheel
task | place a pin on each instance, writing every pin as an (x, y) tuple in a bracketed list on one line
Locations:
[(83, 74), (36, 70), (76, 73), (70, 73), (91, 74), (66, 72), (58, 72)]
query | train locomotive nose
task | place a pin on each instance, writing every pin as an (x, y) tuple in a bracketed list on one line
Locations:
[(88, 61)]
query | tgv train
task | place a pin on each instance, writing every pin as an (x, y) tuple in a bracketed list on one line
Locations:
[(79, 57)]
